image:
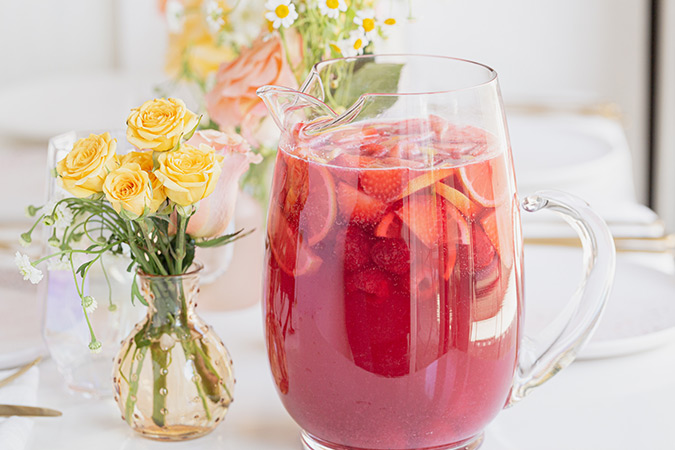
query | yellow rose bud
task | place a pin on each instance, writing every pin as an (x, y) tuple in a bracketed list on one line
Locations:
[(128, 188), (189, 174), (85, 167), (159, 124), (144, 159)]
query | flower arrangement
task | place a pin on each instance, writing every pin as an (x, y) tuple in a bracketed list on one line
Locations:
[(231, 49), (174, 192)]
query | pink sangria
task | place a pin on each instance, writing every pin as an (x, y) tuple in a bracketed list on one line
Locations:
[(392, 294)]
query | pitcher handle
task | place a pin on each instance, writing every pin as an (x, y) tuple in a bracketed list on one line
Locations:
[(582, 313)]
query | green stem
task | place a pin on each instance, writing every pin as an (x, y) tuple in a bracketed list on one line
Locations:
[(80, 292), (130, 404), (111, 307), (180, 243), (151, 247), (138, 255), (160, 367)]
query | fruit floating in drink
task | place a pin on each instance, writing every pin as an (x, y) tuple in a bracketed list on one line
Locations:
[(391, 300)]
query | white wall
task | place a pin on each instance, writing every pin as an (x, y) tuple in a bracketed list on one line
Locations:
[(43, 37), (665, 139)]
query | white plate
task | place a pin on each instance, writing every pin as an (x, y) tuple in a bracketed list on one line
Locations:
[(584, 155), (40, 109), (640, 312)]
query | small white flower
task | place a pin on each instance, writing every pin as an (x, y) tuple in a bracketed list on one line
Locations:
[(89, 304), (27, 269), (215, 16), (175, 16), (366, 22), (58, 264), (281, 13), (352, 46), (332, 8), (63, 216), (95, 346)]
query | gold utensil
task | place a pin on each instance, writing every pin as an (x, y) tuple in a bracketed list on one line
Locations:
[(608, 110), (34, 411), (661, 244), (23, 369)]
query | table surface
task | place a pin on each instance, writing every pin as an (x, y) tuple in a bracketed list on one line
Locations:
[(615, 403)]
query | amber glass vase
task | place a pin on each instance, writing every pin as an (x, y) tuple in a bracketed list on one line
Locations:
[(173, 376)]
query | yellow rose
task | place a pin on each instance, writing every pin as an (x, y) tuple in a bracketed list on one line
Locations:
[(194, 49), (85, 167), (128, 188), (159, 124), (189, 174), (144, 159)]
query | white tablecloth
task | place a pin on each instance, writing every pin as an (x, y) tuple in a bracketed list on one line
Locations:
[(621, 403)]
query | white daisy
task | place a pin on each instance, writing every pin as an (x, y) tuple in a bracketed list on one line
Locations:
[(175, 16), (353, 45), (89, 304), (215, 16), (332, 8), (366, 22), (27, 269), (281, 13)]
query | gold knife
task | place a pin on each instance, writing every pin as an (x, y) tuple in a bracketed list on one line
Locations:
[(20, 410)]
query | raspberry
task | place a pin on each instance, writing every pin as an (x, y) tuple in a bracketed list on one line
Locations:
[(371, 281), (391, 255), (356, 249)]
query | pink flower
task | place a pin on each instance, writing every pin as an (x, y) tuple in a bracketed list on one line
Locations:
[(233, 100), (215, 211)]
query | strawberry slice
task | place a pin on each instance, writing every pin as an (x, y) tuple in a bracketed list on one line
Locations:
[(357, 206), (373, 149), (385, 184), (460, 201), (390, 226), (420, 214)]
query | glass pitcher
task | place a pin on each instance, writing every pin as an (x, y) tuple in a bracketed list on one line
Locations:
[(393, 278)]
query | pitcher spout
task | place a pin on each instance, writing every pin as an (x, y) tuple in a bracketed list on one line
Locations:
[(289, 107)]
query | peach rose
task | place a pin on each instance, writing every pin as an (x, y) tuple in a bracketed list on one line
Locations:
[(233, 101), (215, 212)]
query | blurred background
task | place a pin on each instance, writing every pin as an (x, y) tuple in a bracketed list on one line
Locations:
[(83, 64)]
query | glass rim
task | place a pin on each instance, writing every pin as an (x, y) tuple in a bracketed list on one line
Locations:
[(316, 70), (193, 270)]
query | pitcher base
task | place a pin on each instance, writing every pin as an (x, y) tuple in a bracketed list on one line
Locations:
[(311, 443)]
